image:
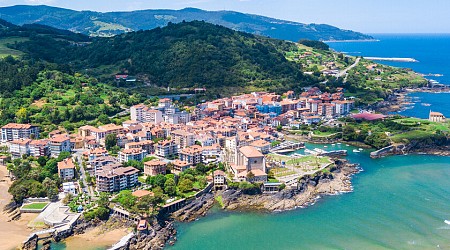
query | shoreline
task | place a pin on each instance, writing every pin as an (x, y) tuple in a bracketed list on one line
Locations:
[(399, 99), (12, 232)]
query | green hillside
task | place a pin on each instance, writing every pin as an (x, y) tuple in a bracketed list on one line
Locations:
[(184, 55)]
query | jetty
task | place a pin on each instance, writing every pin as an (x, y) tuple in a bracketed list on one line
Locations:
[(391, 59), (287, 146)]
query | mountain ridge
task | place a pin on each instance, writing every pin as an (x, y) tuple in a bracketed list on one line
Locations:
[(112, 23)]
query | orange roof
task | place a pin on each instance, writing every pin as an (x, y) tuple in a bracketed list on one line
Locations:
[(141, 193), (250, 152), (155, 163), (66, 164), (18, 126)]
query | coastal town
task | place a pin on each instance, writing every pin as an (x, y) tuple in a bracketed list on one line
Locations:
[(166, 156), (234, 141)]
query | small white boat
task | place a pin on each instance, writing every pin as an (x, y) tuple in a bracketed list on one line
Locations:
[(447, 222), (347, 145), (338, 143), (333, 144), (356, 151), (325, 146), (360, 149)]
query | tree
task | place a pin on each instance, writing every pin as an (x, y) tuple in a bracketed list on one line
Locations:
[(170, 187), (42, 160), (201, 168), (126, 199), (185, 185), (103, 200), (103, 118), (160, 180), (110, 141), (143, 204), (22, 115), (158, 195), (63, 155), (136, 164)]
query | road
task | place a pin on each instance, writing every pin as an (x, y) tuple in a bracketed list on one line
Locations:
[(344, 72), (79, 155)]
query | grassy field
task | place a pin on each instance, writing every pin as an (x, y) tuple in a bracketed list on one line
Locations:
[(421, 129), (37, 205), (5, 51), (280, 172), (305, 161)]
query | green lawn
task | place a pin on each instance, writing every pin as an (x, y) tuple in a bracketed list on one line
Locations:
[(37, 205)]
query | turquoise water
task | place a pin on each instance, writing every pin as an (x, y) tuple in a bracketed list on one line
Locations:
[(398, 202), (433, 53)]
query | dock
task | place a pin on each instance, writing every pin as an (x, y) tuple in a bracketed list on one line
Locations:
[(391, 59), (287, 146)]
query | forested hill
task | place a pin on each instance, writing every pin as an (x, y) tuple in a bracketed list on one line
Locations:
[(187, 54), (8, 30), (111, 23)]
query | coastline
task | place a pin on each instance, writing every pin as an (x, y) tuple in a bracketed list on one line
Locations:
[(310, 188), (399, 100), (12, 232)]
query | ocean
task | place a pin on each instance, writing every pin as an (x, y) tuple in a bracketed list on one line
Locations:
[(431, 50), (398, 202)]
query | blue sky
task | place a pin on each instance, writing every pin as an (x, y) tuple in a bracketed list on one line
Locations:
[(368, 16)]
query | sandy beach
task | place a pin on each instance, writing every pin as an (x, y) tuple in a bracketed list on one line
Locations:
[(12, 233), (95, 238)]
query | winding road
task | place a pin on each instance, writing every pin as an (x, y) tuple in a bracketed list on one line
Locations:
[(344, 72)]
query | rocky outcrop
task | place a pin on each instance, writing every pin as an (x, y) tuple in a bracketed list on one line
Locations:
[(31, 243), (309, 188), (194, 209), (156, 239)]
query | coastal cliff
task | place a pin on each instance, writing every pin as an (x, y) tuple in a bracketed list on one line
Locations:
[(310, 187)]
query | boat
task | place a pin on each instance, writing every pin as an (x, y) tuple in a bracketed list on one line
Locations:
[(356, 151), (447, 222), (360, 149), (333, 144), (347, 145), (338, 143), (325, 146)]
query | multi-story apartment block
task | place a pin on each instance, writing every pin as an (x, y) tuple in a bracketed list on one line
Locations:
[(59, 143), (40, 148), (183, 138), (116, 179), (19, 147), (15, 131), (155, 167), (142, 113), (136, 154), (166, 148), (66, 169), (192, 154)]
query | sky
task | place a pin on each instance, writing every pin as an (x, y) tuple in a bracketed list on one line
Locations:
[(367, 16)]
